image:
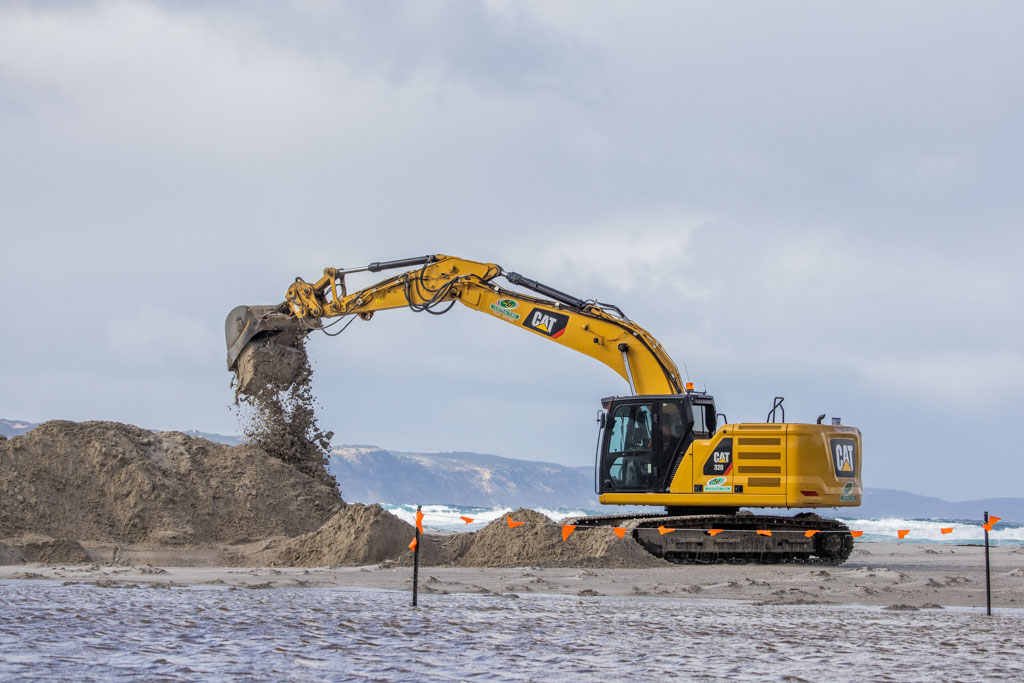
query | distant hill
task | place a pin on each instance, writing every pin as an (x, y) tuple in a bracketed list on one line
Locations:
[(368, 474), (881, 503), (11, 428), (219, 438)]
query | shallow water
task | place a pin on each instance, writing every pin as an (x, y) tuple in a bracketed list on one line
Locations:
[(84, 632)]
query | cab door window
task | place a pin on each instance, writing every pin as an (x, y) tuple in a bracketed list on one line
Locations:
[(672, 427), (630, 462)]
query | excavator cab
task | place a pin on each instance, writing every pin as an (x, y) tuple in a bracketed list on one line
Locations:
[(643, 439)]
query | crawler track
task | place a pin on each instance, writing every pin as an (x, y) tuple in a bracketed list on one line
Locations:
[(690, 542)]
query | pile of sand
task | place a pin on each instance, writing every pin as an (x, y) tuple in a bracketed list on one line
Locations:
[(357, 535), (111, 482), (365, 534), (538, 543), (106, 482), (44, 550)]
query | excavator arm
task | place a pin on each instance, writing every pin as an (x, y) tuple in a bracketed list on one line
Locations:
[(600, 331)]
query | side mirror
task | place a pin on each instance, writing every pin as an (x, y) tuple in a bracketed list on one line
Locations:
[(602, 418)]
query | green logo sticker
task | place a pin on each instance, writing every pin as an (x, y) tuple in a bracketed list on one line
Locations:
[(845, 498), (508, 304), (503, 313), (717, 485), (848, 488)]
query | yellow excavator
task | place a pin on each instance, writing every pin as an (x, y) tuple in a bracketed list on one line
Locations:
[(664, 445)]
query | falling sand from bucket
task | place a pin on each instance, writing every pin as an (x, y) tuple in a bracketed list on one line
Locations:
[(273, 388)]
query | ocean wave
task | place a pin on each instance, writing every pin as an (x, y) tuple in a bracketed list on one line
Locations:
[(446, 519), (930, 531)]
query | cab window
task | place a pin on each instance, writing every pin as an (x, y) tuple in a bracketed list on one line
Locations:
[(673, 426), (630, 462), (704, 420)]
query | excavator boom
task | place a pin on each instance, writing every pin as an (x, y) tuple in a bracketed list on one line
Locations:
[(600, 331)]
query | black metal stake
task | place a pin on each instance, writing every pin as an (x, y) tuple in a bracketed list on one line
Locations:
[(416, 561), (988, 575)]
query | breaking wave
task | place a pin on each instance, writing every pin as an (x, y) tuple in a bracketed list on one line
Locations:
[(930, 531), (446, 519)]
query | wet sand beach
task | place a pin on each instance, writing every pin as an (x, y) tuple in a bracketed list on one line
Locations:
[(896, 575)]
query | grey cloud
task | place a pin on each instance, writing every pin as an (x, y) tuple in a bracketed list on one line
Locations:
[(812, 201)]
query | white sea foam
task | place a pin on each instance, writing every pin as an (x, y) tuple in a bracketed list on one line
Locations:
[(446, 518), (929, 531)]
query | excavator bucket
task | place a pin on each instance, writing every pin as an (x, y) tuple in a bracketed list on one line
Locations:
[(265, 341)]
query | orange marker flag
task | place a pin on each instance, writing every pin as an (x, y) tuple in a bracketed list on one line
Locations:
[(511, 524), (902, 532), (620, 531), (467, 520), (993, 520), (419, 521), (664, 530), (567, 529), (715, 532), (856, 534), (764, 532), (946, 530), (810, 532), (986, 527), (415, 542)]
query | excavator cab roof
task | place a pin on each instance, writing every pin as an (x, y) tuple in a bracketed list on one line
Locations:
[(607, 401)]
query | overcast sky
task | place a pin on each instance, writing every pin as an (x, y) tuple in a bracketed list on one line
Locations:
[(817, 200)]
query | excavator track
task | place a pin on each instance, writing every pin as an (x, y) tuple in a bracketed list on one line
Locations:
[(690, 543)]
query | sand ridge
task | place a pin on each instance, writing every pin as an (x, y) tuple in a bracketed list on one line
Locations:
[(356, 535), (107, 481), (78, 488), (364, 534), (537, 543)]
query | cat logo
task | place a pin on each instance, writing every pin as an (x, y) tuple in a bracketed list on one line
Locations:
[(844, 458), (547, 322), (720, 461), (844, 453)]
